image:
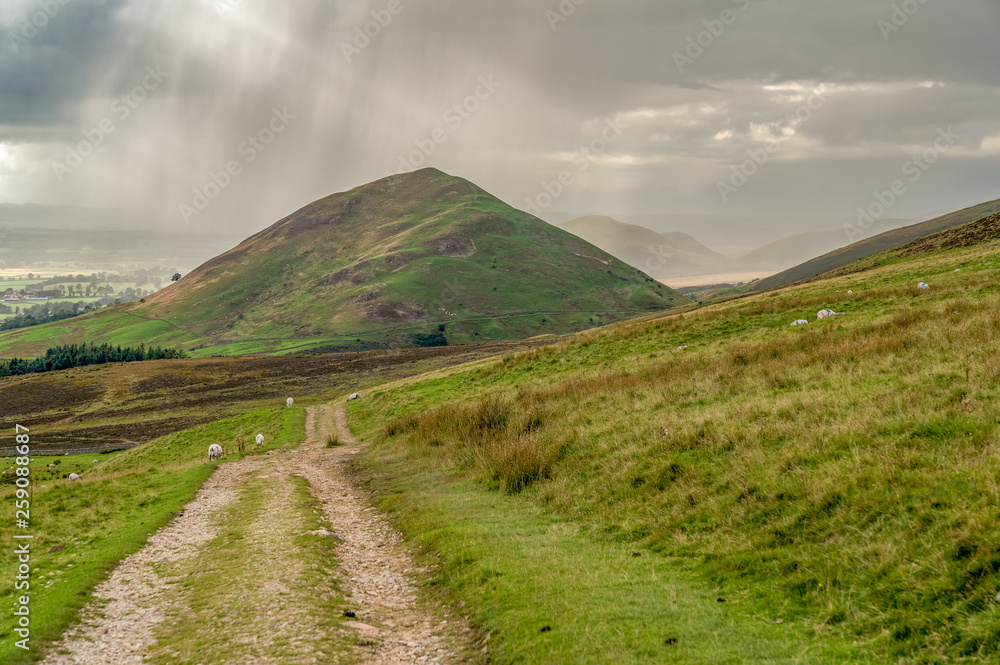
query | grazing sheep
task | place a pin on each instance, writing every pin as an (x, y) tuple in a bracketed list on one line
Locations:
[(923, 286), (827, 313), (799, 322), (354, 397), (214, 452), (289, 402), (74, 476), (260, 439)]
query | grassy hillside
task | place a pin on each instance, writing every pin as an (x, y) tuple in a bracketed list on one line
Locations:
[(658, 254), (838, 477), (874, 245), (422, 252)]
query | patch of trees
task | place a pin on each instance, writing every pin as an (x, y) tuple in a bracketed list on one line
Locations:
[(434, 339), (81, 355)]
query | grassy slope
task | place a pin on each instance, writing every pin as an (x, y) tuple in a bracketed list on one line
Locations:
[(378, 263), (874, 245), (517, 569), (840, 476), (110, 513)]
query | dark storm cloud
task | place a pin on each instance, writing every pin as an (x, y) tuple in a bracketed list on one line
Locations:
[(51, 72), (359, 106)]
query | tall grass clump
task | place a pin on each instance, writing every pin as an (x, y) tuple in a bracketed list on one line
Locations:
[(502, 438)]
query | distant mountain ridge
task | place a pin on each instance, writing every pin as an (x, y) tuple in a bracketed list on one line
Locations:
[(795, 249), (661, 255)]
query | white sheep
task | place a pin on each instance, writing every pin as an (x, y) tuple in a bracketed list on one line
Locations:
[(923, 286), (214, 452), (289, 402), (799, 322), (260, 439), (354, 397), (74, 476)]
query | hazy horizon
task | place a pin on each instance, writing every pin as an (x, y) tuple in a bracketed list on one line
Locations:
[(225, 116)]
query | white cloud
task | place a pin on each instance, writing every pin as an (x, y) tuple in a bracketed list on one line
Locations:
[(990, 145)]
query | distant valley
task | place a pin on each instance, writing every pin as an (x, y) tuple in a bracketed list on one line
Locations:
[(681, 259)]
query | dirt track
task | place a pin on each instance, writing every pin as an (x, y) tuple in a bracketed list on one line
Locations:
[(393, 625)]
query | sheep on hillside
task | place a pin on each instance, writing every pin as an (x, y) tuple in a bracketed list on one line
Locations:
[(827, 313), (74, 476), (214, 452), (354, 397), (260, 439), (289, 402)]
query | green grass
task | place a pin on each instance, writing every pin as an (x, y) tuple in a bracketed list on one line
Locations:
[(42, 333), (99, 525), (112, 325), (109, 514), (517, 569), (840, 475), (281, 428), (62, 466)]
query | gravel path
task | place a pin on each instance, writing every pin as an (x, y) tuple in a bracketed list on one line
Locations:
[(393, 625), (375, 561), (122, 632)]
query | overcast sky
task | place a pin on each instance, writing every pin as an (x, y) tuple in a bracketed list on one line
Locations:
[(136, 103)]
